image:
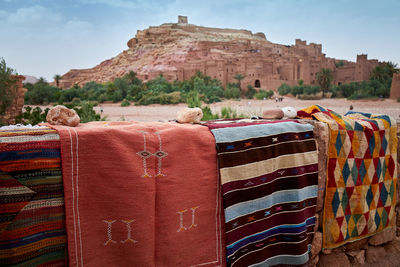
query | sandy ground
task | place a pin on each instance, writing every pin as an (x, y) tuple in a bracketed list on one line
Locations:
[(115, 112)]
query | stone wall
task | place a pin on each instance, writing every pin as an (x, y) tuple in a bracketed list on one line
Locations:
[(382, 249), (16, 107), (395, 89)]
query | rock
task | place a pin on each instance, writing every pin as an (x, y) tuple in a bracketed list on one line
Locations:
[(190, 115), (273, 114), (357, 257), (388, 234), (314, 260), (374, 254), (316, 244), (393, 247), (316, 226), (334, 260), (327, 251), (61, 115), (289, 112), (357, 245), (320, 219)]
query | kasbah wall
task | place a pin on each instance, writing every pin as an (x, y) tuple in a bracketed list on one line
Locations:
[(395, 89), (18, 91), (179, 50)]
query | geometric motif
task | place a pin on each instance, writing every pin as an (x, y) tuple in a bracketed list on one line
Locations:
[(361, 175), (145, 154)]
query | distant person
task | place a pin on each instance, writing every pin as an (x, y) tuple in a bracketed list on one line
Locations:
[(351, 107), (101, 109)]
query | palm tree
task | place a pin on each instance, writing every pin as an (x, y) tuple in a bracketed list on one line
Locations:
[(57, 79), (391, 68), (379, 73), (239, 77), (324, 78)]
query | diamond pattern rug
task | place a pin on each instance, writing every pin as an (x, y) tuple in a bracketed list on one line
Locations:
[(360, 191)]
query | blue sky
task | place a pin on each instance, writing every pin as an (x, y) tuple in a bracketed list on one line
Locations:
[(47, 37)]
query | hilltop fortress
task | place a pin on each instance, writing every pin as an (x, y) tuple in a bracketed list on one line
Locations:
[(178, 50)]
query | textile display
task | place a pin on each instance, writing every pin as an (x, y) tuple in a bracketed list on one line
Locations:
[(32, 218), (141, 194), (269, 178), (360, 196)]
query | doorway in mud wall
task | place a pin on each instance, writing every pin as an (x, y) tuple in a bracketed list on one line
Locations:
[(257, 84)]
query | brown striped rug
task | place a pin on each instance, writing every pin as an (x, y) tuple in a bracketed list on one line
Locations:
[(268, 172)]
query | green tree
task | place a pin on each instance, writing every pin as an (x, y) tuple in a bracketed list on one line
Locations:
[(284, 89), (391, 68), (57, 79), (324, 79), (379, 73), (239, 77), (6, 83)]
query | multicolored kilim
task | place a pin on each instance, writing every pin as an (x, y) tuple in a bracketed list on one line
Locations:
[(360, 195), (269, 177), (32, 220)]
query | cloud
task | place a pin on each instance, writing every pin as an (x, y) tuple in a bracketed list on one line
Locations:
[(34, 14), (119, 3)]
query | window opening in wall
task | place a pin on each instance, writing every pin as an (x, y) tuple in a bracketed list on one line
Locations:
[(257, 84)]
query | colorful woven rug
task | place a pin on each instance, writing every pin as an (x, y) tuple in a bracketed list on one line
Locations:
[(360, 195), (141, 194), (32, 219), (269, 177)]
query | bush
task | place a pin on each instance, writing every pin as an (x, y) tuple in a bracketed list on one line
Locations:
[(170, 98), (398, 99), (32, 116), (208, 115), (316, 96), (125, 103), (263, 94), (232, 91), (284, 89), (251, 91), (228, 112), (85, 111), (193, 99)]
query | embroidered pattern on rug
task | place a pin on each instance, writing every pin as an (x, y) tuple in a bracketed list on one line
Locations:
[(360, 195), (132, 221), (269, 176)]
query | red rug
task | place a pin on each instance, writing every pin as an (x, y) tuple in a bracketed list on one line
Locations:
[(141, 194)]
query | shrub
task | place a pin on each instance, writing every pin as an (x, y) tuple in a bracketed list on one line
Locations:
[(251, 91), (263, 94), (398, 99), (32, 116), (125, 103), (228, 112), (284, 89), (208, 115), (232, 91), (193, 99), (169, 98)]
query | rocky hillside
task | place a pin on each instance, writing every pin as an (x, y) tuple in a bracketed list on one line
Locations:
[(178, 50), (158, 50)]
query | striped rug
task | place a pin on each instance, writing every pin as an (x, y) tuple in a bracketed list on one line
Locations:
[(268, 172), (32, 220)]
